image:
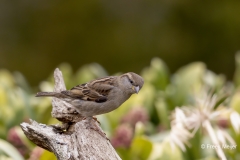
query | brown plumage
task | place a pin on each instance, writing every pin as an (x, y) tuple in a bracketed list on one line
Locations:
[(96, 90), (101, 95)]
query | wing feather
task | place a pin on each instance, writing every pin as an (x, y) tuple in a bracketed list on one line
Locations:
[(96, 90)]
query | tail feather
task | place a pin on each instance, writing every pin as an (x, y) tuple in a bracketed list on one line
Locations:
[(47, 94)]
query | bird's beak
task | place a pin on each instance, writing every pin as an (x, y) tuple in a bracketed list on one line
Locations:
[(135, 88)]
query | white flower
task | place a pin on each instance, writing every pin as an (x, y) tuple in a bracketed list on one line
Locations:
[(187, 120), (235, 120)]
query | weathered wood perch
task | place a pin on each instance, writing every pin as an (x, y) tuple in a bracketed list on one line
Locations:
[(78, 143)]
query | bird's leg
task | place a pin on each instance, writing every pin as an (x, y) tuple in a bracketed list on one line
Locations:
[(92, 125)]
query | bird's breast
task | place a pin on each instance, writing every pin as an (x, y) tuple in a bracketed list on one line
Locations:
[(91, 108)]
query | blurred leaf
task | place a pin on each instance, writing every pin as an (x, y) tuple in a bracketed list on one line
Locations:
[(194, 151), (214, 81), (6, 79), (47, 156), (159, 137), (237, 71), (67, 73), (21, 81), (10, 150), (140, 148), (163, 151), (190, 74), (3, 97), (145, 97), (23, 138), (97, 70), (171, 154), (139, 129), (156, 151), (3, 157), (186, 80), (41, 106), (53, 121), (124, 153), (105, 125), (46, 86), (235, 102), (90, 72), (163, 112), (220, 101), (157, 74)]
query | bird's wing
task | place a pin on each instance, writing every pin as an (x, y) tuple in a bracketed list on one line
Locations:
[(96, 90)]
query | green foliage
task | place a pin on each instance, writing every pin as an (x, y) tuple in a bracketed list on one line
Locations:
[(47, 156), (146, 115), (10, 150), (15, 102), (237, 72), (235, 102), (140, 148), (156, 74)]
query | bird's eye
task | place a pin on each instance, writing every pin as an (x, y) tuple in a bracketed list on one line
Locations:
[(130, 81)]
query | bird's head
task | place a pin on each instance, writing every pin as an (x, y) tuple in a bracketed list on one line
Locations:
[(132, 82)]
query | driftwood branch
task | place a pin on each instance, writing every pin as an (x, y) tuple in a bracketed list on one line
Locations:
[(79, 143)]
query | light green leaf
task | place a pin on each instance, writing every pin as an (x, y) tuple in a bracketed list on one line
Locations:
[(141, 148), (162, 111), (159, 137), (90, 72), (10, 150), (235, 102), (157, 74), (237, 71), (47, 156), (186, 80), (168, 153)]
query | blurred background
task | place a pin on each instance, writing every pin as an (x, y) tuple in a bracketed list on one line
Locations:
[(36, 36), (180, 48)]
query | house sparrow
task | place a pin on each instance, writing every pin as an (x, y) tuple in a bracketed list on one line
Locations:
[(101, 95)]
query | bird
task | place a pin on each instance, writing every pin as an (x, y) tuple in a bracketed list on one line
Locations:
[(99, 96)]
